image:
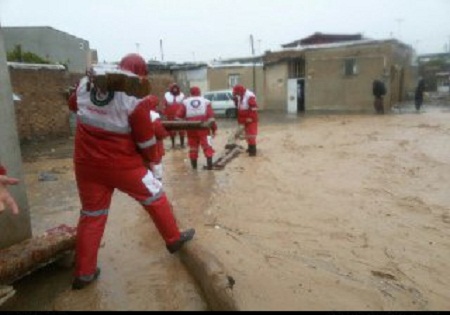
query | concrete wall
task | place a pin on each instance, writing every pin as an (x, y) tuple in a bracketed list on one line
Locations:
[(218, 80), (327, 88), (51, 44), (13, 228), (193, 77), (276, 76)]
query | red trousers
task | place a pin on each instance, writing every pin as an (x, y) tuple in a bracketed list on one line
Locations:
[(197, 138), (251, 131), (95, 188)]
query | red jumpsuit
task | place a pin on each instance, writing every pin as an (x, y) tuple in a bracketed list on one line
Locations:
[(160, 134), (171, 105), (198, 108), (248, 115), (114, 136)]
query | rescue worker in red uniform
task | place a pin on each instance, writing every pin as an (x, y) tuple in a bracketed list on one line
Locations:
[(173, 100), (114, 136), (247, 110), (198, 108), (6, 200), (160, 133)]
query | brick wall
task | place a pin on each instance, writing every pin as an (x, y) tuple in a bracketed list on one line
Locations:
[(43, 112)]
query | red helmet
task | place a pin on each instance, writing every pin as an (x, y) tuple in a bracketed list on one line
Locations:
[(195, 91), (239, 89), (134, 63), (174, 89)]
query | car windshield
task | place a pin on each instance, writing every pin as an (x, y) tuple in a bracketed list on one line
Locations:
[(221, 97)]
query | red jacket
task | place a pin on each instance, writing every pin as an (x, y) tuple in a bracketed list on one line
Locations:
[(172, 104), (247, 107), (197, 108), (113, 131)]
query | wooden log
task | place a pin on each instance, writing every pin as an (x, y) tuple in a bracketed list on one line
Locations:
[(185, 125), (232, 149), (227, 157), (212, 277), (25, 257), (6, 292), (112, 79)]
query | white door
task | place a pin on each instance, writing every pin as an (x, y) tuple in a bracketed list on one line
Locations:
[(292, 96)]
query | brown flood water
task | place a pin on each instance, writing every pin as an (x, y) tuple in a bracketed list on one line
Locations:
[(337, 212)]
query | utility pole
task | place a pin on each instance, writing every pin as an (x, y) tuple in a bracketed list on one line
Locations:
[(161, 48), (253, 54)]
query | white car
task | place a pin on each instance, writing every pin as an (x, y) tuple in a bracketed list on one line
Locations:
[(222, 102)]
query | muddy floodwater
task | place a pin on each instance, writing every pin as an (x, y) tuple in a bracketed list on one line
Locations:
[(336, 212)]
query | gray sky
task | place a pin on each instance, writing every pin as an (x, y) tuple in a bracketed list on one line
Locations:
[(203, 30)]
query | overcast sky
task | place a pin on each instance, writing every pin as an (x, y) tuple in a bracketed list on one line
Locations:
[(203, 30)]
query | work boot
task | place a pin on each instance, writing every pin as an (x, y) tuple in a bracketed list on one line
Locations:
[(184, 237), (194, 164), (209, 163), (182, 141), (81, 282), (252, 150)]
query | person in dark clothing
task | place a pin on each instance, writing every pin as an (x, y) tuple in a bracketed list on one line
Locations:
[(378, 91), (418, 96)]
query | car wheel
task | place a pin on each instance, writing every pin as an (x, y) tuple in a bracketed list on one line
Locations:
[(230, 113)]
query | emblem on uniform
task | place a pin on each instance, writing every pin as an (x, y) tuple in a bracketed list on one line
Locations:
[(195, 103)]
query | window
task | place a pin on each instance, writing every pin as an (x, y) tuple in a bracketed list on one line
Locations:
[(350, 67), (296, 69), (209, 97), (221, 97), (233, 79)]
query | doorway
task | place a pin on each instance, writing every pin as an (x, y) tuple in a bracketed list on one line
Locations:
[(296, 95)]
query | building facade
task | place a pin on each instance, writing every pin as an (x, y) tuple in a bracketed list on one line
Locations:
[(53, 45), (337, 76)]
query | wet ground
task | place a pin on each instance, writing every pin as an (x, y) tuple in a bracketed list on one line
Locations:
[(337, 212), (137, 271)]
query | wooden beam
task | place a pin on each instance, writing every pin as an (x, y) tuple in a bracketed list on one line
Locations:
[(211, 275), (25, 257)]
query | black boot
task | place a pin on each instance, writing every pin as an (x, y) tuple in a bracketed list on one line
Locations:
[(81, 282), (184, 237), (252, 150), (209, 163), (194, 164), (182, 141)]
